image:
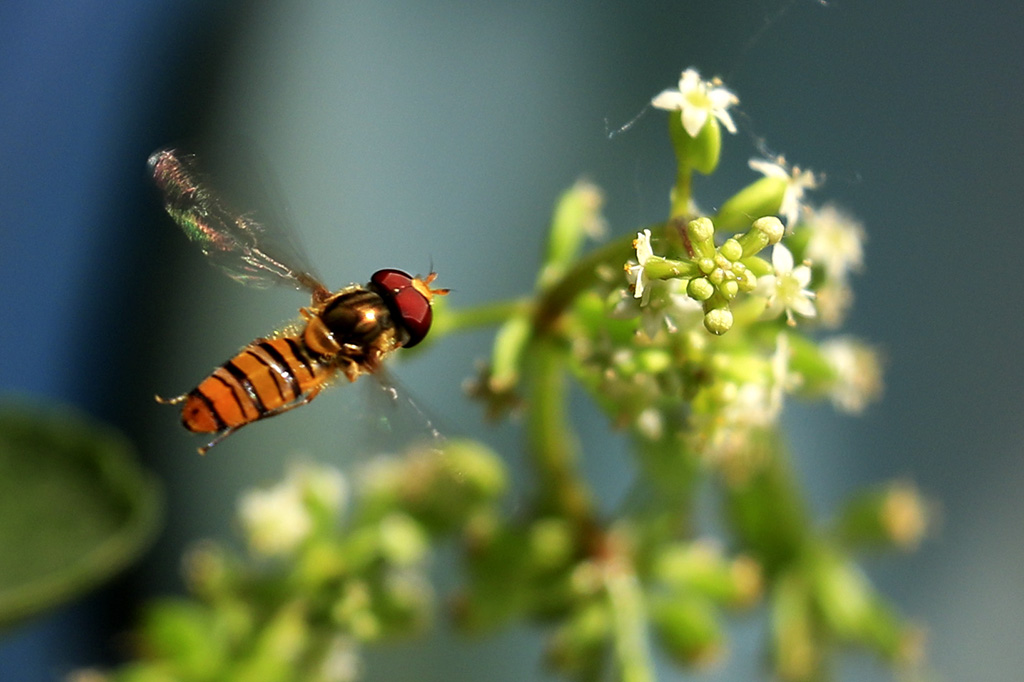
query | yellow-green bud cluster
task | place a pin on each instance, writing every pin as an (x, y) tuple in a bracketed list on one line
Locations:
[(727, 270)]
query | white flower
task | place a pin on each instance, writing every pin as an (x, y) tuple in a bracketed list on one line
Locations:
[(681, 311), (635, 271), (836, 242), (787, 288), (749, 405), (833, 299), (275, 520), (696, 100), (650, 424), (858, 374), (797, 181)]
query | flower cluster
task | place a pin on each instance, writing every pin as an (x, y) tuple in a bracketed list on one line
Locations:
[(325, 574), (689, 335), (693, 350)]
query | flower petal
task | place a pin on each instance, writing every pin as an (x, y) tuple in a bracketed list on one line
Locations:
[(782, 259), (694, 118), (670, 100)]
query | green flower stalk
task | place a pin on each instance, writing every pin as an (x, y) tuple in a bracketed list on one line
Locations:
[(689, 335)]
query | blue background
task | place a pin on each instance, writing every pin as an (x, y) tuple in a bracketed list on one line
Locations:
[(404, 133)]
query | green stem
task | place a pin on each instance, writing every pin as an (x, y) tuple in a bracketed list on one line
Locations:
[(682, 191), (451, 321), (629, 619), (560, 295), (552, 442), (766, 509)]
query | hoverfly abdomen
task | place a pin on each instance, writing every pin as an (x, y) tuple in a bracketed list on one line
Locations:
[(265, 378)]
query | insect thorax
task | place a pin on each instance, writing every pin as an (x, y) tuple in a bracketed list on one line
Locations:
[(355, 323)]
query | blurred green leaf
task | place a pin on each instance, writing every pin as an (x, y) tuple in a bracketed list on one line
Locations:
[(74, 507)]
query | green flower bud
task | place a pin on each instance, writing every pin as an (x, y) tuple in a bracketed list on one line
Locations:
[(577, 215), (729, 289), (551, 543), (402, 540), (699, 566), (700, 289), (747, 280), (702, 237), (763, 232), (475, 468), (654, 360), (731, 249), (771, 226), (761, 198), (892, 515), (688, 628), (718, 320)]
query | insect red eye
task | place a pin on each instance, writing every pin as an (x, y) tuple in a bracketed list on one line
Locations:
[(410, 308)]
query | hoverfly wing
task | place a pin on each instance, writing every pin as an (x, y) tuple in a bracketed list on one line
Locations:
[(399, 411), (247, 250)]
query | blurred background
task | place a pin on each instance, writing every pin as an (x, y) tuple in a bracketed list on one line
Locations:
[(405, 134)]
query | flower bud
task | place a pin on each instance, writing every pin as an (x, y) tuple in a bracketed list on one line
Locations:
[(893, 515), (731, 249), (763, 232), (760, 198), (550, 543), (688, 628), (700, 289), (702, 235), (718, 320), (577, 216)]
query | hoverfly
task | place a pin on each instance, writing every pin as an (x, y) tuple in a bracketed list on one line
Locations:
[(347, 332)]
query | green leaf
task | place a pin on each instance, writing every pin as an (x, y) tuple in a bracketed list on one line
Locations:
[(74, 507)]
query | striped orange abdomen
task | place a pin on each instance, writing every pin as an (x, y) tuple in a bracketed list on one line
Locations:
[(265, 378)]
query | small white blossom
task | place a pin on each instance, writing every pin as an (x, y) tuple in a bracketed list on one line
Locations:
[(858, 374), (275, 520), (832, 300), (635, 271), (681, 311), (836, 242), (697, 100), (786, 290), (753, 405), (650, 424), (798, 182)]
